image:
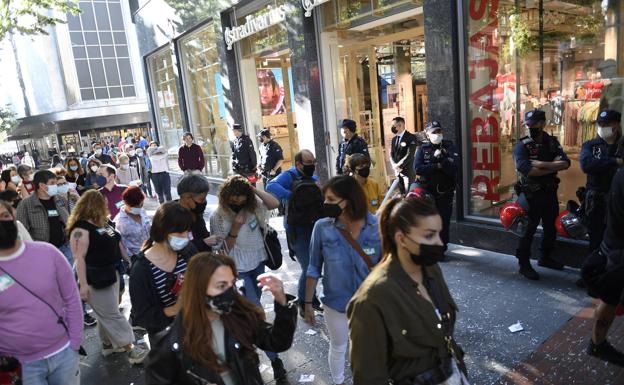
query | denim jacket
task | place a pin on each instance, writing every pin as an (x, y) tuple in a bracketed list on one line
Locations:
[(341, 267)]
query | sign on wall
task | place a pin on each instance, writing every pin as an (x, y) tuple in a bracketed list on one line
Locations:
[(255, 23)]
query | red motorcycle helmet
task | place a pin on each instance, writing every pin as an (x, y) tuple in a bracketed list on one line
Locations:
[(569, 225), (514, 218), (417, 191)]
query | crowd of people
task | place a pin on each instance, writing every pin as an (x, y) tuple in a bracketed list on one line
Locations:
[(70, 233)]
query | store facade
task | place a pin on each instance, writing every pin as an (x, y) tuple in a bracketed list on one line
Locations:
[(476, 66)]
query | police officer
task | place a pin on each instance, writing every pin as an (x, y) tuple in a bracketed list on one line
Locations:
[(600, 160), (244, 160), (352, 144), (538, 158), (271, 157), (436, 164), (404, 146)]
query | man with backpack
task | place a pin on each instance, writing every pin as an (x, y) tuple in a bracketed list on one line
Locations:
[(299, 191)]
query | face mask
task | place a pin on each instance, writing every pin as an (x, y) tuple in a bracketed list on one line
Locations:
[(63, 157), (10, 231), (394, 129), (436, 138), (101, 181), (308, 170), (222, 304), (123, 166), (62, 189), (52, 190), (28, 178), (429, 255), (364, 172), (605, 132), (16, 179), (331, 210), (135, 210), (178, 243), (94, 168), (98, 151), (236, 208), (534, 132), (200, 208), (132, 153), (73, 168)]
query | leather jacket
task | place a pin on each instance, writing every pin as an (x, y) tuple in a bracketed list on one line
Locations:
[(167, 364)]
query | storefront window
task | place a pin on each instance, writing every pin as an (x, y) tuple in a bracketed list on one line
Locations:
[(559, 56), (204, 92), (378, 72), (165, 95)]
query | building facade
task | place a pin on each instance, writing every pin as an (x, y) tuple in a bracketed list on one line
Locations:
[(81, 83), (476, 66)]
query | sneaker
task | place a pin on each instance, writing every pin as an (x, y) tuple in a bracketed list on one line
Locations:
[(318, 306), (529, 272), (606, 352), (279, 372), (137, 354), (108, 349), (550, 263), (89, 320)]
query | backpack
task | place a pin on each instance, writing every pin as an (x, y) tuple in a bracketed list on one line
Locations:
[(305, 206)]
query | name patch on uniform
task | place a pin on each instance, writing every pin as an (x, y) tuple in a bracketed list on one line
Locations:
[(53, 213), (369, 251), (253, 224), (6, 282), (374, 202)]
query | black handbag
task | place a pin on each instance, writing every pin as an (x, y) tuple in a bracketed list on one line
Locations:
[(273, 248)]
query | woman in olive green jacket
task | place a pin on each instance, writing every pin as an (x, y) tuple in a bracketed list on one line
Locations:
[(401, 319)]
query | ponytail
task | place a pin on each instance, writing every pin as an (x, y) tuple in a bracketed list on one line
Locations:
[(387, 237)]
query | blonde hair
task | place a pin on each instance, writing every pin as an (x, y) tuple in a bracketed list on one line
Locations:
[(90, 207), (123, 157)]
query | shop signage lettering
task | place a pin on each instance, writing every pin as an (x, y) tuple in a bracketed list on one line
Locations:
[(484, 123), (255, 23), (309, 5)]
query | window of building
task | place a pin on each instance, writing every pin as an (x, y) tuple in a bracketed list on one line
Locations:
[(100, 49), (559, 56), (204, 93), (161, 70)]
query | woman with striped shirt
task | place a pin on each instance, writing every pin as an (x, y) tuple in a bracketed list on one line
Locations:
[(158, 271)]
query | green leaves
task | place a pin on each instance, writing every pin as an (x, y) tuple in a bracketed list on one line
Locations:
[(8, 119), (32, 17)]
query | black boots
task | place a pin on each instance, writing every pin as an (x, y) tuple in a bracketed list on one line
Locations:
[(279, 372), (606, 352)]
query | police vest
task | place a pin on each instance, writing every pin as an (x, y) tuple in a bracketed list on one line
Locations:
[(439, 182), (538, 152)]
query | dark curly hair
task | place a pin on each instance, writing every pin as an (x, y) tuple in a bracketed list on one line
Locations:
[(237, 185)]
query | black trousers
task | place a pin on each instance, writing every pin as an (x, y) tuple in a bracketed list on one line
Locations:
[(162, 185), (596, 211), (444, 203), (544, 207)]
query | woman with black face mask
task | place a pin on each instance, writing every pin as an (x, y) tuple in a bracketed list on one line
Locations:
[(358, 166), (401, 321), (241, 220), (344, 248), (213, 339)]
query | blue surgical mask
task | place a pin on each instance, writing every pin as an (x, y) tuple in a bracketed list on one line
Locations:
[(135, 210), (52, 190), (73, 168), (63, 189), (178, 243)]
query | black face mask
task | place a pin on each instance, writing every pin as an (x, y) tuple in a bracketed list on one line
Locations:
[(200, 208), (534, 132), (394, 129), (429, 255), (331, 210), (308, 170), (364, 172), (9, 231), (236, 208), (221, 304)]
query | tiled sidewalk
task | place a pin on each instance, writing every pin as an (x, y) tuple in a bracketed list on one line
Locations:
[(561, 360)]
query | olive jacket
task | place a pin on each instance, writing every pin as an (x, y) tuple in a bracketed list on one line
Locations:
[(395, 333)]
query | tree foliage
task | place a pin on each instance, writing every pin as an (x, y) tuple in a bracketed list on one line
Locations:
[(31, 17), (8, 119)]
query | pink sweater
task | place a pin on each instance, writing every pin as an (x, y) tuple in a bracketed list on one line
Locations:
[(29, 329)]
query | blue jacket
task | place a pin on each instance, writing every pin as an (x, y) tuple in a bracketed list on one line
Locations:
[(437, 180), (527, 150), (341, 267), (281, 185), (598, 161)]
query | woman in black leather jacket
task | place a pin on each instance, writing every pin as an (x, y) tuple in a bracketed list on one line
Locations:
[(213, 339)]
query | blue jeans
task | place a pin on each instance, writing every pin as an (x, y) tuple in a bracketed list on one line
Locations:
[(60, 369), (302, 235), (66, 250), (253, 293)]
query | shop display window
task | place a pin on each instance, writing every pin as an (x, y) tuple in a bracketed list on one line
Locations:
[(563, 57)]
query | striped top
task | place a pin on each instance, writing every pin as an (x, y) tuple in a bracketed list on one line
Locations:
[(165, 281)]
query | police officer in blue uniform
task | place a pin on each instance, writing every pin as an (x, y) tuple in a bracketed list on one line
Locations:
[(352, 144), (538, 158), (271, 157), (436, 164), (600, 159)]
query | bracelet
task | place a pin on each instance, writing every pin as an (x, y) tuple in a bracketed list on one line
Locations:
[(232, 236), (308, 303)]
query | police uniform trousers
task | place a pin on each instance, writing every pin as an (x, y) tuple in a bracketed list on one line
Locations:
[(544, 207), (596, 213), (444, 204)]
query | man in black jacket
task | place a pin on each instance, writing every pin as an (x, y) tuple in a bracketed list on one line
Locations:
[(244, 160), (271, 157), (404, 146), (352, 144)]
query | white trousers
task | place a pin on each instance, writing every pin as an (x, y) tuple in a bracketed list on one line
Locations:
[(338, 328)]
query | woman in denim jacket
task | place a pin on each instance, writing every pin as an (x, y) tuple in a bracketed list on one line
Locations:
[(344, 247)]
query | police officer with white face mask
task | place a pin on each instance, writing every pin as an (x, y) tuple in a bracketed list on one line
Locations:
[(600, 159), (436, 165)]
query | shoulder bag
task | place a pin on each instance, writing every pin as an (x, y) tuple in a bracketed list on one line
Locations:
[(356, 246), (272, 246)]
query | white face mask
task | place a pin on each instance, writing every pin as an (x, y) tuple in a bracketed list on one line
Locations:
[(63, 189), (605, 132), (436, 138), (123, 166), (94, 168), (131, 152), (135, 210), (98, 151), (177, 243), (16, 179), (52, 190)]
